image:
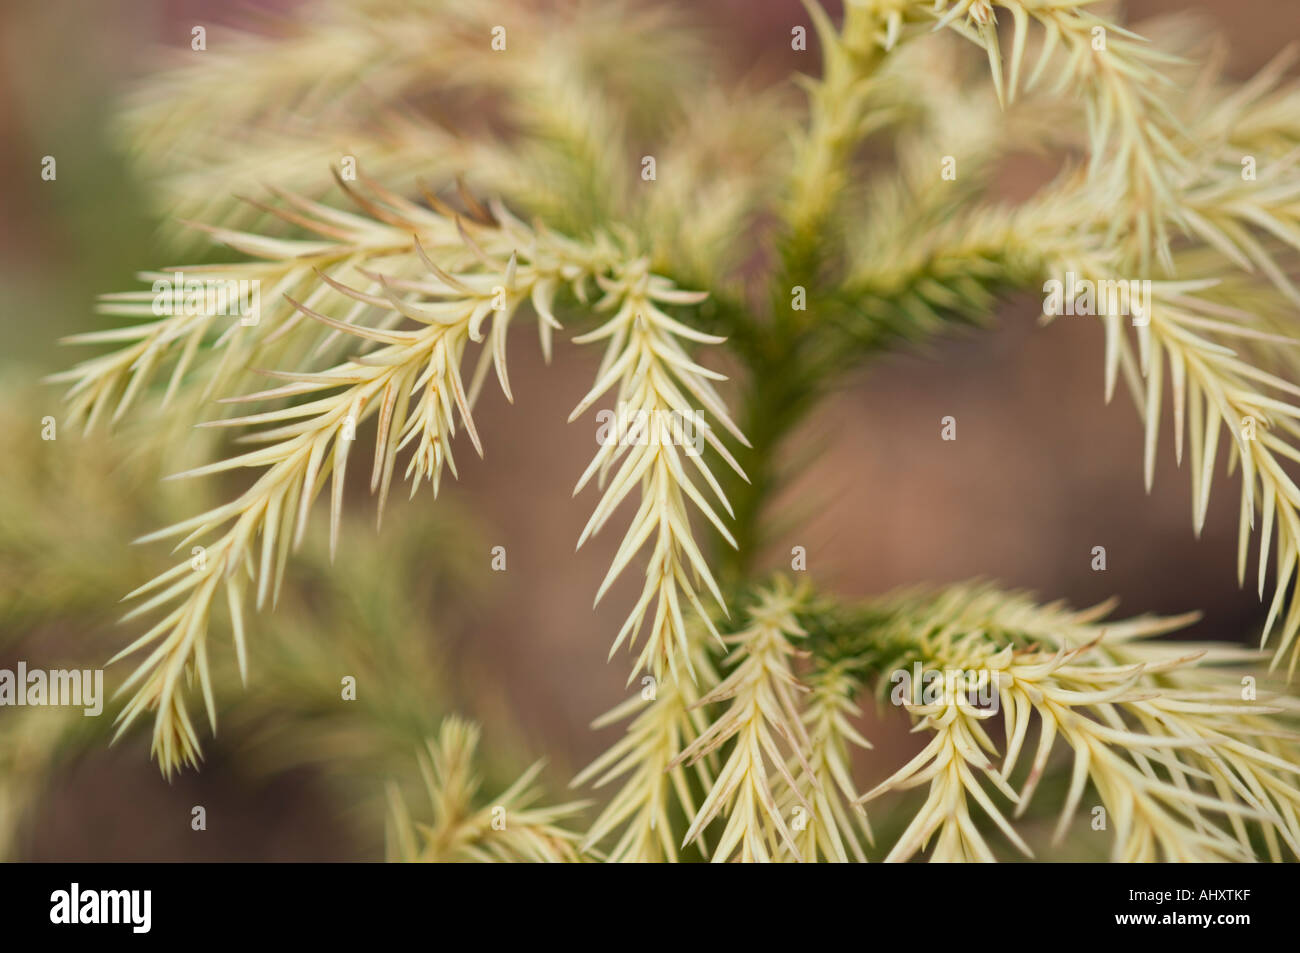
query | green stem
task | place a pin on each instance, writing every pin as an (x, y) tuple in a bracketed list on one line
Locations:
[(784, 379), (776, 400)]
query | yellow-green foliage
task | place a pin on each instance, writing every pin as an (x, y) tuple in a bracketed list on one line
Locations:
[(598, 173)]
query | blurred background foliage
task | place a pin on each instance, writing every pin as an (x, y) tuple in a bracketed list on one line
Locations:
[(1042, 472)]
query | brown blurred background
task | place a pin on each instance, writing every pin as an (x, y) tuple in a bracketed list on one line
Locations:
[(1042, 471)]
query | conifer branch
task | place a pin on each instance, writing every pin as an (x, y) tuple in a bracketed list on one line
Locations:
[(508, 829)]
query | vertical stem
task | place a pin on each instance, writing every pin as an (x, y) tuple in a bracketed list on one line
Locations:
[(783, 379), (780, 392)]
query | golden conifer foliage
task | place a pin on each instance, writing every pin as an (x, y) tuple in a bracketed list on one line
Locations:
[(698, 230)]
